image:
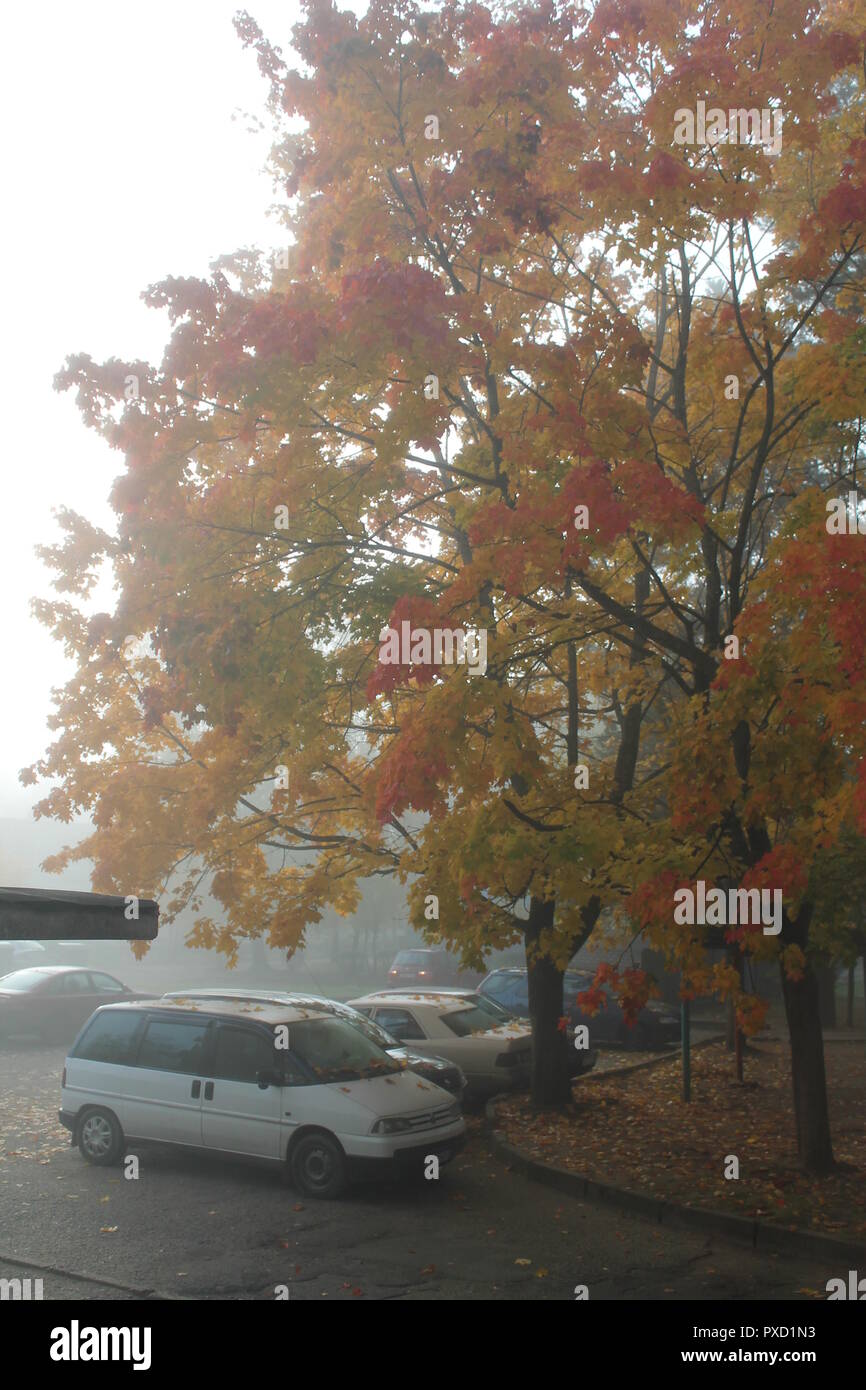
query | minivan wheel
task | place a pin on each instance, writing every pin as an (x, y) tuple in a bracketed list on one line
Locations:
[(318, 1166), (100, 1137)]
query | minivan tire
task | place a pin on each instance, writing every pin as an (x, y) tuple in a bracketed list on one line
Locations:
[(100, 1138), (318, 1166)]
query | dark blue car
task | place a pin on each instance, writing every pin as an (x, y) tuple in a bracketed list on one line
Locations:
[(657, 1025)]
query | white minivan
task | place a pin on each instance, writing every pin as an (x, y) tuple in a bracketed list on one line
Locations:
[(275, 1082)]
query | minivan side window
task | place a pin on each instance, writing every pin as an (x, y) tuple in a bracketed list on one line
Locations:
[(110, 1038), (241, 1053), (171, 1044)]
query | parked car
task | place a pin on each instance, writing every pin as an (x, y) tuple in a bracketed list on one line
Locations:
[(580, 1060), (657, 1024), (208, 1074), (491, 1049), (17, 955), (436, 1069), (54, 1000)]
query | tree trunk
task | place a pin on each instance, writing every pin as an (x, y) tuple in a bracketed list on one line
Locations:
[(802, 1008), (734, 957), (827, 995), (849, 1012), (807, 1073), (550, 1082), (730, 1025)]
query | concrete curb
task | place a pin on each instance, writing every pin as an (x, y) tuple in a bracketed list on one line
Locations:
[(656, 1061), (757, 1234)]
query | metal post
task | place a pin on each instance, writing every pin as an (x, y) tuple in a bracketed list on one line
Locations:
[(687, 1056)]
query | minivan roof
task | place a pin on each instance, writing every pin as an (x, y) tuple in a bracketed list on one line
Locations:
[(290, 997), (228, 1008)]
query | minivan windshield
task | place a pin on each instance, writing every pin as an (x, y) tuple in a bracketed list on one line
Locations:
[(336, 1050)]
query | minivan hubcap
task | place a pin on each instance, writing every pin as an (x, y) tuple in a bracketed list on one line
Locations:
[(318, 1167), (96, 1135)]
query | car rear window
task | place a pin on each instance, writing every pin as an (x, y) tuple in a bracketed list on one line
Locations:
[(491, 1007), (400, 1024), (23, 979), (109, 1038), (474, 1019)]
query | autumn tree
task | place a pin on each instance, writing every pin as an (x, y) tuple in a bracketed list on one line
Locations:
[(528, 366)]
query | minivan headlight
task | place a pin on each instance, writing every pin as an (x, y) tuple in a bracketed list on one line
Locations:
[(394, 1124)]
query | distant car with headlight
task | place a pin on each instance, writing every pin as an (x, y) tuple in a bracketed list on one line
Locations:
[(423, 966)]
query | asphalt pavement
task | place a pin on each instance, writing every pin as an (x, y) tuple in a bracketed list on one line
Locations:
[(202, 1227)]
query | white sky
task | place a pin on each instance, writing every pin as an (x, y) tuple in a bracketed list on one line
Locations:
[(122, 165)]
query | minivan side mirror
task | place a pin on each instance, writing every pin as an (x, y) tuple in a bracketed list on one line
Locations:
[(268, 1078)]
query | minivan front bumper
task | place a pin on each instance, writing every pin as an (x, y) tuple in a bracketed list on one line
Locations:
[(405, 1161)]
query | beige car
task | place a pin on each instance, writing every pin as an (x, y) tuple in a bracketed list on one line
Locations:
[(493, 1051)]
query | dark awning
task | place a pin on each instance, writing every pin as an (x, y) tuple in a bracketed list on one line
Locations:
[(44, 914)]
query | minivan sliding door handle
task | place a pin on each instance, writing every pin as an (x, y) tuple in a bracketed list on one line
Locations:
[(208, 1090), (196, 1090)]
